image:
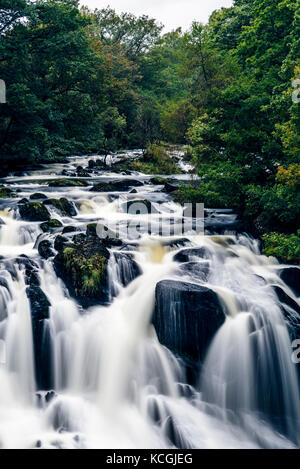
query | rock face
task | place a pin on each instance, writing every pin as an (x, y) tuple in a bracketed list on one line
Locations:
[(186, 317), (116, 186), (291, 276), (34, 211), (63, 205), (82, 265), (40, 305)]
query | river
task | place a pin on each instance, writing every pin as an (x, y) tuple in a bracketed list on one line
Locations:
[(121, 379)]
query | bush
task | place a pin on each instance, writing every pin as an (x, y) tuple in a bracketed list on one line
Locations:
[(156, 160), (285, 247)]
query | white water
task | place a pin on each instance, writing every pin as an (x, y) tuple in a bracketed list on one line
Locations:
[(115, 385)]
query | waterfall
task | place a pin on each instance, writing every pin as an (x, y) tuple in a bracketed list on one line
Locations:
[(112, 377)]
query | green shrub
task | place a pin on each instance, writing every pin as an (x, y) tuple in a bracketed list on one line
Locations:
[(285, 247)]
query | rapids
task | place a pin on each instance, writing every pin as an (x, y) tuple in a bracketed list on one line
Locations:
[(114, 384)]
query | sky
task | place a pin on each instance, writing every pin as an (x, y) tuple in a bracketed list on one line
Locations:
[(172, 13)]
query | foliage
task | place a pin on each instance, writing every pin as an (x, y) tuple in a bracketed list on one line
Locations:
[(285, 247), (156, 160), (88, 273)]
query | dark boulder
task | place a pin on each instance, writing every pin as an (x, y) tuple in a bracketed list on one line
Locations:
[(23, 201), (69, 229), (123, 185), (31, 270), (63, 205), (6, 193), (142, 206), (170, 187), (34, 211), (2, 222), (51, 225), (159, 181), (190, 254), (40, 305), (291, 276), (83, 267), (45, 249), (60, 242), (186, 317), (38, 196)]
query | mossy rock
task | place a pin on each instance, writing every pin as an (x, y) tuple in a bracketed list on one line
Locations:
[(34, 211), (116, 186), (140, 203), (38, 196), (83, 267), (6, 193), (51, 225), (68, 182), (65, 207)]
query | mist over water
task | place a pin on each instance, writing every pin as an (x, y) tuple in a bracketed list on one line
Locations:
[(113, 383)]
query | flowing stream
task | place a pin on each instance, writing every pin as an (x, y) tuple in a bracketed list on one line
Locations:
[(114, 385)]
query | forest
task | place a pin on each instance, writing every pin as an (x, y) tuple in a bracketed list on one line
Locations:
[(86, 82)]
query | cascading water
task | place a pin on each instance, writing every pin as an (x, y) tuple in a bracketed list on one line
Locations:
[(114, 384)]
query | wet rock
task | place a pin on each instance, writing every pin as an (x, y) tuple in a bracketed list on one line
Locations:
[(34, 211), (2, 222), (197, 270), (291, 311), (102, 232), (50, 395), (51, 225), (143, 206), (68, 182), (63, 205), (40, 305), (31, 270), (186, 317), (69, 229), (123, 185), (45, 249), (128, 268), (159, 181), (291, 276), (96, 164), (190, 254), (177, 243), (170, 187), (6, 193), (38, 196), (60, 242), (82, 172), (23, 201), (83, 267)]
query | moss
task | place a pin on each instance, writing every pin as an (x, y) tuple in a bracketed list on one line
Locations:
[(6, 193), (68, 182), (87, 274), (63, 205), (51, 225), (34, 211), (285, 247), (156, 160)]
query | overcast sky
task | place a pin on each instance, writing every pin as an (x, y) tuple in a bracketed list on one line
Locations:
[(172, 13)]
